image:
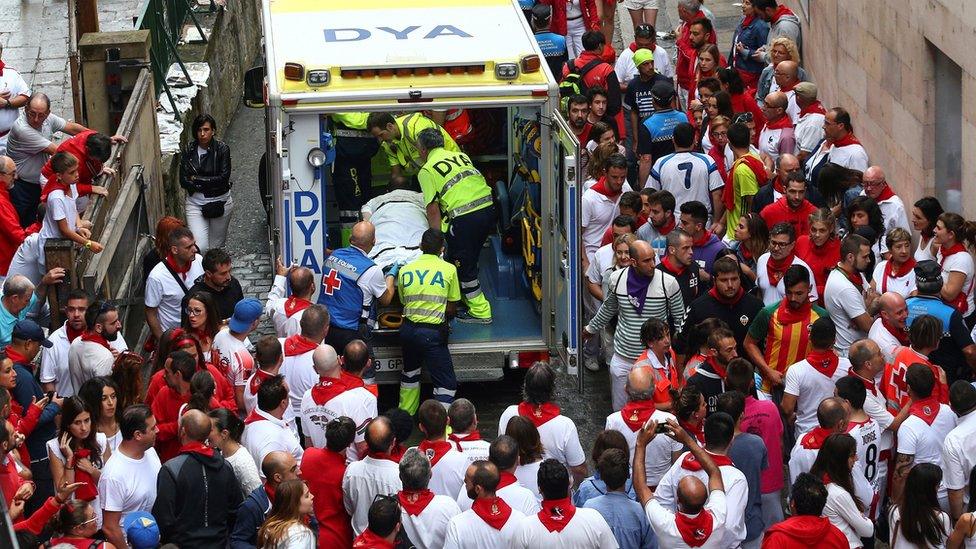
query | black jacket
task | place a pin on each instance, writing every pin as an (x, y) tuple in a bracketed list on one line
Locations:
[(210, 174), (197, 497), (738, 316), (225, 299)]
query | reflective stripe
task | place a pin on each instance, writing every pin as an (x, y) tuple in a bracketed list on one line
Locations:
[(424, 297), (350, 133), (470, 283), (420, 311), (469, 207), (405, 135), (471, 294), (457, 179), (409, 385), (343, 269), (443, 391)]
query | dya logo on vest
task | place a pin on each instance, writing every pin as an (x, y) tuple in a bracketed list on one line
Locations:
[(352, 34), (444, 167)]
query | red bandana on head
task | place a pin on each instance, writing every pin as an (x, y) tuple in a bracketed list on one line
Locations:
[(505, 479), (296, 305), (95, 338), (556, 514), (694, 530), (538, 414), (815, 438), (494, 511), (926, 409), (434, 449), (326, 389), (689, 463), (298, 345), (824, 362), (635, 414), (414, 502)]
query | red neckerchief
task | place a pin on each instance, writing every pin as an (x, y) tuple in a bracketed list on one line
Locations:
[(786, 315), (815, 438), (695, 530), (473, 435), (715, 366), (254, 417), (778, 185), (784, 122), (689, 463), (256, 381), (823, 361), (54, 184), (666, 229), (351, 381), (900, 335), (180, 270), (505, 479), (815, 107), (705, 237), (72, 333), (886, 193), (556, 514), (414, 502), (868, 383), (780, 12), (848, 139), (538, 414), (394, 457), (89, 490), (697, 431), (676, 270), (747, 20), (891, 272), (15, 356), (725, 301), (856, 279), (4, 65), (95, 338), (601, 187), (952, 250), (369, 540), (635, 414), (270, 490), (197, 448), (494, 511), (754, 164), (776, 268), (298, 345), (926, 409), (296, 305), (326, 389), (434, 449), (718, 155)]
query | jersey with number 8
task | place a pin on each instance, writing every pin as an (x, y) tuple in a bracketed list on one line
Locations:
[(867, 435)]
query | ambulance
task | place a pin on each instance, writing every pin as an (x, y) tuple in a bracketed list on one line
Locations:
[(470, 60)]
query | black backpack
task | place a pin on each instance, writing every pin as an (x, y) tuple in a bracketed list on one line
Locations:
[(573, 84)]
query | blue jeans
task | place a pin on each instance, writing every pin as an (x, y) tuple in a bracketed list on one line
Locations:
[(427, 344)]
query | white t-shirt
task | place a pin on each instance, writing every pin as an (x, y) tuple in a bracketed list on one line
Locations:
[(473, 449), (867, 435), (959, 455), (810, 387), (903, 285), (586, 530), (231, 356), (844, 301), (924, 441), (300, 375), (853, 157), (899, 541), (244, 469), (54, 363), (447, 475), (597, 215), (801, 461), (893, 213), (128, 484), (400, 218), (842, 512), (362, 481), (560, 439), (427, 529), (165, 294), (885, 339), (528, 476), (657, 459), (88, 359), (358, 404), (627, 71), (774, 294), (251, 399), (602, 261), (12, 82), (688, 176), (59, 206), (769, 140), (274, 307), (662, 521), (268, 435), (961, 262), (809, 131), (518, 497), (468, 531), (54, 450)]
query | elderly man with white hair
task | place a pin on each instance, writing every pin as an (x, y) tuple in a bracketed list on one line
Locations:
[(423, 514), (20, 297), (892, 207)]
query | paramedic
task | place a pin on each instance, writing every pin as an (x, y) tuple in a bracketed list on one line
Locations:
[(398, 138), (352, 173)]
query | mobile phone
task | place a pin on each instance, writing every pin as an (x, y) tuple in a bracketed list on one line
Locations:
[(662, 428), (50, 395)]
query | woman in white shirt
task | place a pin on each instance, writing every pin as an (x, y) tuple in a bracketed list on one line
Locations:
[(226, 435), (101, 397), (78, 453), (285, 526), (531, 452), (952, 233), (919, 521), (925, 213), (964, 535), (834, 463)]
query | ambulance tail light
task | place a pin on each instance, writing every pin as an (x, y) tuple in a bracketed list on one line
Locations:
[(531, 63), (506, 71), (294, 71), (525, 359)]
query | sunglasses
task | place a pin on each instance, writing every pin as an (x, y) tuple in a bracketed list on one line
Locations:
[(743, 118)]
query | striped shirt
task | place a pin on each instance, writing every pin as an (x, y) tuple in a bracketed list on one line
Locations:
[(663, 302), (785, 344)]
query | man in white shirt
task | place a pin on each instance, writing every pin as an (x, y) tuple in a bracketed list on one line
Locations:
[(810, 122), (464, 430), (688, 175), (811, 380), (424, 515), (662, 451), (169, 281), (265, 429), (700, 516), (286, 310), (446, 462), (845, 150), (558, 433), (777, 136), (229, 352), (959, 447), (268, 353), (376, 474), (645, 38), (719, 430), (559, 523), (128, 479), (297, 366), (889, 330), (867, 434), (846, 296), (503, 454), (489, 523), (782, 251), (921, 435), (94, 352), (892, 208), (54, 375), (13, 96), (599, 205)]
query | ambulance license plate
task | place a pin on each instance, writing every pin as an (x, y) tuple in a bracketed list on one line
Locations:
[(388, 364)]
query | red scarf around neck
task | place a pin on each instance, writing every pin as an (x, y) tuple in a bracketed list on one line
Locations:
[(72, 333), (886, 193), (196, 447), (494, 511), (854, 278), (815, 107), (780, 12), (369, 540), (538, 414), (434, 449), (635, 414), (4, 65), (778, 186), (705, 237), (868, 383), (900, 335), (814, 440), (458, 439), (666, 229), (690, 463), (296, 305), (676, 270), (415, 502), (715, 366), (950, 251), (823, 361), (848, 139), (724, 300), (697, 431), (177, 268), (926, 409), (556, 513), (754, 164), (890, 271), (257, 380), (505, 479), (601, 187), (254, 417), (298, 345), (746, 21), (95, 338), (393, 456), (781, 123), (695, 530), (326, 389), (776, 268), (787, 315), (16, 357)]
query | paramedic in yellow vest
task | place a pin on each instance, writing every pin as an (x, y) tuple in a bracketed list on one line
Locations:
[(429, 290), (352, 173), (458, 197), (398, 137)]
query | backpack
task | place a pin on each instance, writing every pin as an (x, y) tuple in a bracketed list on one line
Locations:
[(573, 84)]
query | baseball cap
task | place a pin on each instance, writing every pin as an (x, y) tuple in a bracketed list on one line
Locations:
[(662, 91), (642, 56), (141, 530), (928, 271), (28, 330), (245, 313)]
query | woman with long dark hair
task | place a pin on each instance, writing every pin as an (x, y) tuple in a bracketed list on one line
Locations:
[(925, 213), (834, 463), (285, 527), (101, 397), (226, 435), (78, 453), (952, 234), (918, 521), (751, 241), (864, 213), (719, 104), (202, 389), (531, 451), (202, 318), (205, 174)]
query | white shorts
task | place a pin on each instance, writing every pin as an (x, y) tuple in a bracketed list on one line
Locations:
[(641, 4)]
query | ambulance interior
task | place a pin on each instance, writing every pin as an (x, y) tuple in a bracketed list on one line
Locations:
[(504, 144)]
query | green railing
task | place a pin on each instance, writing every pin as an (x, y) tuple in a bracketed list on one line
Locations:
[(164, 20)]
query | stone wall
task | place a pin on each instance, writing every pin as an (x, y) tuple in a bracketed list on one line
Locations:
[(876, 59)]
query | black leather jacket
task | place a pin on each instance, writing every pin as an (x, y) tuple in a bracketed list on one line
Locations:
[(210, 174)]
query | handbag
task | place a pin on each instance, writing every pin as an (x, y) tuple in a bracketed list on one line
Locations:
[(212, 210)]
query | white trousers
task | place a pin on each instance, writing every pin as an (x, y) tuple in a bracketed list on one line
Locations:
[(574, 37), (209, 233), (619, 370)]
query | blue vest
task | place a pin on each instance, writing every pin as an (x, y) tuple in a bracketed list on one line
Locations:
[(340, 291), (923, 305), (551, 44), (661, 124)]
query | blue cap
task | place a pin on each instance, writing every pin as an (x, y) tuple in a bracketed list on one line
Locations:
[(245, 313), (141, 530), (28, 330)]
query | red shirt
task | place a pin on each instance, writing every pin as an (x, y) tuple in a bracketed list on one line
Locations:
[(166, 410), (75, 146), (322, 470), (224, 395), (558, 24), (10, 481), (12, 235), (820, 260), (781, 212)]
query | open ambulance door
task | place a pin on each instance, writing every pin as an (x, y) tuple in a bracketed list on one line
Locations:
[(564, 231)]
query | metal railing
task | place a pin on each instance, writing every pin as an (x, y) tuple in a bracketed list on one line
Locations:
[(164, 20)]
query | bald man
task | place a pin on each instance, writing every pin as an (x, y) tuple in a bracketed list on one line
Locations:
[(892, 207), (286, 310), (777, 136), (787, 76), (889, 330), (313, 412), (276, 467), (375, 474), (12, 235), (197, 491), (351, 281)]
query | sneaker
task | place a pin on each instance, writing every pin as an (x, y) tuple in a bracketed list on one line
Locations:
[(465, 317), (592, 364)]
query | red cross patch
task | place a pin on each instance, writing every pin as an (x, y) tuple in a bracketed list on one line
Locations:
[(331, 282)]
